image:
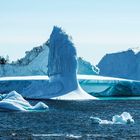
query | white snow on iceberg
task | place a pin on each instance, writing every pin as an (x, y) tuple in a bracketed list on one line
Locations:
[(15, 102), (124, 118), (77, 94)]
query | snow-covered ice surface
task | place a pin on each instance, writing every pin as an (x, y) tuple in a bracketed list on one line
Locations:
[(124, 118), (15, 102), (77, 94), (39, 87)]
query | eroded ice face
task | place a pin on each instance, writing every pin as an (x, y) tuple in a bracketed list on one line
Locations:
[(62, 53)]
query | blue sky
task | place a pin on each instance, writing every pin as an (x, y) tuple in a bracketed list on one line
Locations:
[(97, 26)]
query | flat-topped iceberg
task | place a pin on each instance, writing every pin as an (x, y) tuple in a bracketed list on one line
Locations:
[(15, 102)]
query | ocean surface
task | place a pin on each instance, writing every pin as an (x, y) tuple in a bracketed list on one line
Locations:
[(71, 120)]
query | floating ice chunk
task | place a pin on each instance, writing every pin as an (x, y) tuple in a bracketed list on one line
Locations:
[(15, 102), (124, 118), (62, 68)]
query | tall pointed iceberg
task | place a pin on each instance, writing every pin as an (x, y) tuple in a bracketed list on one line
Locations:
[(62, 67)]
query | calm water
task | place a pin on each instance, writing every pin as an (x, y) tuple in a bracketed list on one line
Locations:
[(71, 120)]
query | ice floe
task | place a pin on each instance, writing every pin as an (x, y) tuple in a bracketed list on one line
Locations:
[(15, 102), (124, 118)]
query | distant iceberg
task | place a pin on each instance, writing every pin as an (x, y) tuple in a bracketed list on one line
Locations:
[(125, 64), (15, 102)]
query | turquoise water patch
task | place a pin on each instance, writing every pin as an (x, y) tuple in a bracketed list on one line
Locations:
[(118, 98)]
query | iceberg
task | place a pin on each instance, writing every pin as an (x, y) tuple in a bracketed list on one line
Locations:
[(35, 62), (62, 68), (15, 102), (124, 64), (124, 118), (61, 82), (40, 87)]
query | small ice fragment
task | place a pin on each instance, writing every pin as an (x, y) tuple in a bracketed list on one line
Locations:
[(40, 106), (106, 122), (124, 118), (95, 120)]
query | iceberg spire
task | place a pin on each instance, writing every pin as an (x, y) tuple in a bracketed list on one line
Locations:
[(62, 67), (62, 53)]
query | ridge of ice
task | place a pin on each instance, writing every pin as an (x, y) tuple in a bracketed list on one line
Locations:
[(15, 102), (136, 50)]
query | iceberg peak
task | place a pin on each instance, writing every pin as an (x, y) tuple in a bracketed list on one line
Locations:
[(62, 66), (62, 53)]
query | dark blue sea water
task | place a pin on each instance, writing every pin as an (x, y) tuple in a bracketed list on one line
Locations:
[(71, 120)]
